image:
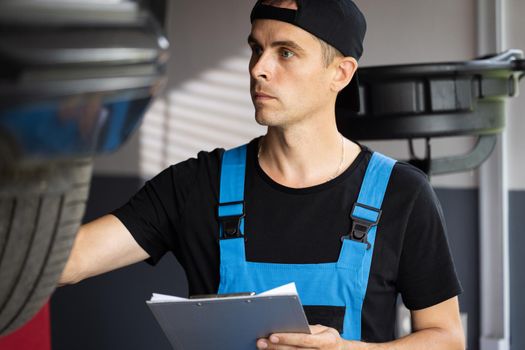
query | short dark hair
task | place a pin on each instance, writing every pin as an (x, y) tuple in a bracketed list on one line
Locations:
[(328, 51)]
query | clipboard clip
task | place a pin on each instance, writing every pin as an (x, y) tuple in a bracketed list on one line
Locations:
[(226, 295)]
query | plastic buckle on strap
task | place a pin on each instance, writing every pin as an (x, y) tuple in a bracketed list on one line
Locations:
[(361, 226), (231, 224)]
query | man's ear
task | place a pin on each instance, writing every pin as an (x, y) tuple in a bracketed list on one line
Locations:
[(345, 68)]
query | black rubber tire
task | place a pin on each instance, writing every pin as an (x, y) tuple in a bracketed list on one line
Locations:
[(41, 208)]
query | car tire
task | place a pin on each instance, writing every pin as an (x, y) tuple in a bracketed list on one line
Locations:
[(41, 208)]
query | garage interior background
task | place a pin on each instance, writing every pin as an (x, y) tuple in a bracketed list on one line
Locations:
[(207, 105)]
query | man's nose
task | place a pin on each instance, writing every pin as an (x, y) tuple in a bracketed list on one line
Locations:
[(262, 67)]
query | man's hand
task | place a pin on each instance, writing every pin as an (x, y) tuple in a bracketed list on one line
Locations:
[(322, 337), (437, 327)]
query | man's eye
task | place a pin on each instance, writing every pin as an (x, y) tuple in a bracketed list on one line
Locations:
[(287, 53), (256, 50)]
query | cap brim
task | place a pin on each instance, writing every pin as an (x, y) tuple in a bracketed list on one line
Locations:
[(348, 98)]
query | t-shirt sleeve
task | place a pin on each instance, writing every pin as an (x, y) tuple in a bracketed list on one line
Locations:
[(427, 275), (153, 215)]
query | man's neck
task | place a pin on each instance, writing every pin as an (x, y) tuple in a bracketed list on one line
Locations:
[(305, 155)]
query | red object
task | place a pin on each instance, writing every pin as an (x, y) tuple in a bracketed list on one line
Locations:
[(34, 335)]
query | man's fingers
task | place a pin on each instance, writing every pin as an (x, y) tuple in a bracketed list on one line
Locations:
[(265, 344), (315, 329), (295, 339), (321, 337), (298, 340)]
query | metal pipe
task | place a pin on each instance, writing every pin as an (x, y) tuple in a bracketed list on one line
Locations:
[(493, 205)]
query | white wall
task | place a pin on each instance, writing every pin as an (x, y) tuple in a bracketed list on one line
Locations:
[(411, 31), (208, 104), (515, 27)]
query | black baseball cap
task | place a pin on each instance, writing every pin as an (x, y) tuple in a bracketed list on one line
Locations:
[(339, 23)]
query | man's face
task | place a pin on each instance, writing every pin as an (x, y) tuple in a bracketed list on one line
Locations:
[(288, 78)]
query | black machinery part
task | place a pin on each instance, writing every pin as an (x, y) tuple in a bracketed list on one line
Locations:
[(436, 100)]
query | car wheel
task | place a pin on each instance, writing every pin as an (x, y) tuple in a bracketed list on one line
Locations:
[(41, 207)]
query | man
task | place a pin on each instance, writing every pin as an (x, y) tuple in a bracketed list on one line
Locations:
[(352, 228)]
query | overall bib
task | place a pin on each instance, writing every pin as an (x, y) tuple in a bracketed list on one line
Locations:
[(341, 284)]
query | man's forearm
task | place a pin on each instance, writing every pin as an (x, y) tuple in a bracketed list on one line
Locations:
[(428, 339), (100, 246)]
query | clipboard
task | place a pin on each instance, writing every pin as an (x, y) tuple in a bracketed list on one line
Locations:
[(233, 323)]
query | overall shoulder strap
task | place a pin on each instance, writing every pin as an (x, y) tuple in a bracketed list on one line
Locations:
[(365, 217), (367, 210), (376, 180), (231, 193)]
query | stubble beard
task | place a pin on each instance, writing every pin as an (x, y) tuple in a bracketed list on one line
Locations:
[(261, 118)]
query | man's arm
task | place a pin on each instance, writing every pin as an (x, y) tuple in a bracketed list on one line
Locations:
[(435, 328), (100, 246)]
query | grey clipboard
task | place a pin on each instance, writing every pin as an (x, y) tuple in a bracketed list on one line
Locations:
[(228, 323)]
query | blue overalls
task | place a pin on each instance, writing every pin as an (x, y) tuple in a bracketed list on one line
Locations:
[(342, 283)]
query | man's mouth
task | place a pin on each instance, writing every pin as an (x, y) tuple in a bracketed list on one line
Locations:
[(262, 96)]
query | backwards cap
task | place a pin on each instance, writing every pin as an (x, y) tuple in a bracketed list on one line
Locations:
[(337, 22)]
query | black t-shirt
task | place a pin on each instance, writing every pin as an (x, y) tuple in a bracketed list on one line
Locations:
[(176, 211)]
